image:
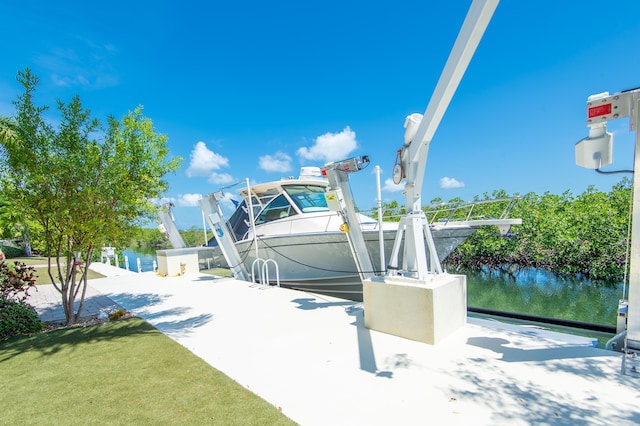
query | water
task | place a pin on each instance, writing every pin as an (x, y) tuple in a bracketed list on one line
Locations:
[(147, 257), (537, 292)]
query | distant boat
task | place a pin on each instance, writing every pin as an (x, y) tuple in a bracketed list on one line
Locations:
[(295, 228)]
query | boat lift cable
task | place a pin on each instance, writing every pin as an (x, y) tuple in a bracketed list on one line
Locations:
[(612, 172), (319, 268), (627, 252), (246, 254)]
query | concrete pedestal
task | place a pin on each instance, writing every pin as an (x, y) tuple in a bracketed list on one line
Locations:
[(177, 262), (426, 312)]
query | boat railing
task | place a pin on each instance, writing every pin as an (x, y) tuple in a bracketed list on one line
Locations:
[(450, 212), (262, 267)]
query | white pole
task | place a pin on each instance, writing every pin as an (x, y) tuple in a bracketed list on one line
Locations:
[(383, 262), (251, 218), (633, 315), (204, 228)]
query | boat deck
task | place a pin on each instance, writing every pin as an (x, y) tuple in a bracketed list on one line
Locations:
[(312, 357)]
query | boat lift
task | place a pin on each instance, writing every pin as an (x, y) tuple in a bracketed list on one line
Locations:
[(416, 300), (213, 212), (338, 198), (595, 152), (168, 226)]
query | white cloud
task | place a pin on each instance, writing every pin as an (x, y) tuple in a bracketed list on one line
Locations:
[(330, 146), (189, 200), (163, 200), (449, 183), (203, 161), (279, 162), (220, 178), (389, 186)]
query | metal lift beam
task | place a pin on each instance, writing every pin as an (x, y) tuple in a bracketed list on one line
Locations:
[(596, 151), (339, 199), (168, 226), (419, 132), (212, 211)]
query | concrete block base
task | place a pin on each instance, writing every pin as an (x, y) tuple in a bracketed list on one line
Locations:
[(177, 262), (423, 311)]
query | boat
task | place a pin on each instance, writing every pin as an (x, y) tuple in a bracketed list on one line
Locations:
[(295, 228)]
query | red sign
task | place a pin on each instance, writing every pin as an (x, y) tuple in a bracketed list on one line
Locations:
[(599, 110)]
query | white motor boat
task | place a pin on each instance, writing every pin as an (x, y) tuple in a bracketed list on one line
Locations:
[(295, 228)]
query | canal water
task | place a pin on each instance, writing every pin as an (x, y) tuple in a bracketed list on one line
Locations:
[(537, 292), (146, 257)]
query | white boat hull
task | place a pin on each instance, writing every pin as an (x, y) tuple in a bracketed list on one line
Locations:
[(323, 263)]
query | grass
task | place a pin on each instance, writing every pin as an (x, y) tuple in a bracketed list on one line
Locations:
[(219, 272), (42, 276), (116, 373)]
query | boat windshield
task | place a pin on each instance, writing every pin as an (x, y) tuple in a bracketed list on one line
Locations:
[(278, 208), (308, 198)]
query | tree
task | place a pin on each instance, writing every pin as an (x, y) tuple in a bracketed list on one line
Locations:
[(13, 224), (84, 186)]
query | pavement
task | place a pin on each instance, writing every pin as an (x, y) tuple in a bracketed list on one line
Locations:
[(47, 300), (312, 357)]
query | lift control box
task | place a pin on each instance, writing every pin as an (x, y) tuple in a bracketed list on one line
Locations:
[(335, 200)]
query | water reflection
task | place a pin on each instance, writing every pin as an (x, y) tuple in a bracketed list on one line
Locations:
[(147, 257), (538, 292)]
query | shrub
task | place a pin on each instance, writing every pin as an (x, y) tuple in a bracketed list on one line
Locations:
[(117, 315), (16, 281), (17, 318)]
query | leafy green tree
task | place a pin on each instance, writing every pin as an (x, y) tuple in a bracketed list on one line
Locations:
[(585, 234), (194, 236), (85, 186), (13, 224)]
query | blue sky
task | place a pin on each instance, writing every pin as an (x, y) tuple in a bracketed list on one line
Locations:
[(257, 89)]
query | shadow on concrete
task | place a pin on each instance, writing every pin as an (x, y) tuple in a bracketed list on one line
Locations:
[(537, 403), (142, 306), (310, 303), (181, 328), (514, 354), (92, 306), (365, 345), (132, 302)]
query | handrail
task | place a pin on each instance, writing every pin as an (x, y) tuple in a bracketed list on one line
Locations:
[(263, 277), (443, 213)]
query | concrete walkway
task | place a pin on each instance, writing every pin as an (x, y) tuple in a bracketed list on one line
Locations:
[(312, 357), (48, 303)]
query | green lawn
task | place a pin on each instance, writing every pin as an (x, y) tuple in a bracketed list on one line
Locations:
[(117, 373), (40, 263)]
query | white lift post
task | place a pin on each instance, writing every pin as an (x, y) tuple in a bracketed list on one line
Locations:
[(168, 226), (420, 129), (595, 152), (417, 300), (213, 212), (338, 198)]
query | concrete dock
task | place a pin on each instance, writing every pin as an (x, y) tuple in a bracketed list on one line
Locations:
[(312, 357)]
